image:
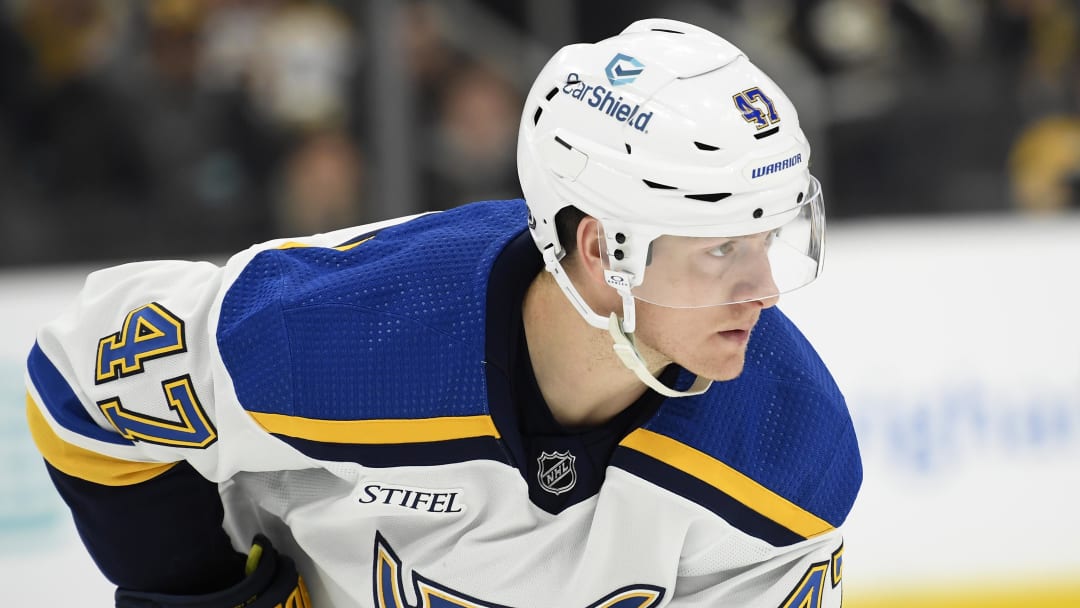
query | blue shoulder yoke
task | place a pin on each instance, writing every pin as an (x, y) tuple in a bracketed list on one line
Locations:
[(390, 329)]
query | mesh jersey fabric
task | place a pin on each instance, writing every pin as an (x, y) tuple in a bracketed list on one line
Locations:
[(392, 328)]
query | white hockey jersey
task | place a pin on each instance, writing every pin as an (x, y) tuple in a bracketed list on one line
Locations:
[(356, 396)]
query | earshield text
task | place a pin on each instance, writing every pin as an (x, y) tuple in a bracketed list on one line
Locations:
[(608, 102)]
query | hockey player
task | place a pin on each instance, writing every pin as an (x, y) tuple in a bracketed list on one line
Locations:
[(584, 399)]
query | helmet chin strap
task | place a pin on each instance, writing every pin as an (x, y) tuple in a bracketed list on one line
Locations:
[(631, 358), (624, 341)]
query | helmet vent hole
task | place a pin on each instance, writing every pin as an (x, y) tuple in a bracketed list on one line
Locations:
[(798, 199), (551, 93), (627, 148), (657, 29), (564, 144), (709, 198), (758, 213), (764, 134), (536, 117), (658, 186), (705, 147)]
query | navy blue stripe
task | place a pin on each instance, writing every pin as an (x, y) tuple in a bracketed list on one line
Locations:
[(163, 534), (356, 239), (732, 511), (61, 401), (431, 453)]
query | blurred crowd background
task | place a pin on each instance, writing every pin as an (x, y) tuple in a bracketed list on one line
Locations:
[(183, 128)]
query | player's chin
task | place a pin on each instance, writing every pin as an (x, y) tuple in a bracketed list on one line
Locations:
[(728, 367), (728, 373)]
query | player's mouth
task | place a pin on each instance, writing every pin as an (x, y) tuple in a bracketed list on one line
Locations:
[(739, 336)]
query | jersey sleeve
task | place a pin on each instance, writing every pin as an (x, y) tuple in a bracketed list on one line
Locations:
[(739, 566), (120, 404), (138, 421), (118, 385), (734, 573)]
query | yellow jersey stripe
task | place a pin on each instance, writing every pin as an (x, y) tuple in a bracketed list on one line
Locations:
[(727, 480), (299, 245), (378, 432), (1047, 593), (85, 464)]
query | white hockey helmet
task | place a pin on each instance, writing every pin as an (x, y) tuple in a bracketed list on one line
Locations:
[(690, 157)]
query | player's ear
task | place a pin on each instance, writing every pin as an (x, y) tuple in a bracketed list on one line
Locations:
[(588, 254)]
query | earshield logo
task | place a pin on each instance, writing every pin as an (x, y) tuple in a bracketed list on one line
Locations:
[(623, 69), (606, 101)]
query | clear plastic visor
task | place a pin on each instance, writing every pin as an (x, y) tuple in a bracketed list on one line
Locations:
[(693, 271)]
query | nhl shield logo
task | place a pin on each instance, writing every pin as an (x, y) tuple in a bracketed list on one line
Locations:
[(557, 473)]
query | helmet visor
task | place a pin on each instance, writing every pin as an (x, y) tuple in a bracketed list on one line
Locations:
[(698, 271)]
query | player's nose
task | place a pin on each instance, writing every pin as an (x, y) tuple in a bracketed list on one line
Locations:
[(757, 284)]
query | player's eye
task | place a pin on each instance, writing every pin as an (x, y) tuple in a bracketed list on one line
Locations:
[(723, 249)]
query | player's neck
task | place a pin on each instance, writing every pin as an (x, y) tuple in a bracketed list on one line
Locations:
[(580, 378)]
